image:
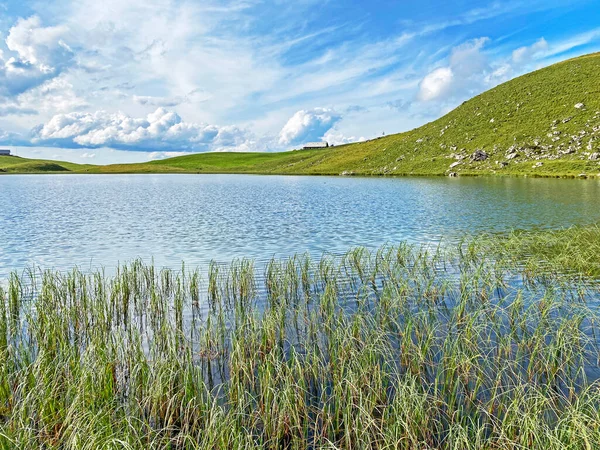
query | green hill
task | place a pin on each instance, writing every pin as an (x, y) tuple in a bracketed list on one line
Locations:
[(16, 164), (546, 123)]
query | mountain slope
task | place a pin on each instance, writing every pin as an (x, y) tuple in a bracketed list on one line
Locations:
[(546, 123)]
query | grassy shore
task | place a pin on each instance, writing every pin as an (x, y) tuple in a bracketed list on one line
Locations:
[(527, 126), (404, 348)]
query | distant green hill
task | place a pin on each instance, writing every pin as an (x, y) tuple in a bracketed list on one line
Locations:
[(546, 123), (16, 164)]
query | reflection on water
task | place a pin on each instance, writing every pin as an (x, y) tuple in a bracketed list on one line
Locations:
[(60, 221)]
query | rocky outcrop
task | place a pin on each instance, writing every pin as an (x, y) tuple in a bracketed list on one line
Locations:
[(479, 155)]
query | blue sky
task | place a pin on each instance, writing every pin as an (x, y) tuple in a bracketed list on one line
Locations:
[(115, 81)]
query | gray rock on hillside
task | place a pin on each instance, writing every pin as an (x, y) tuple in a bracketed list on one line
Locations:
[(594, 156), (479, 155)]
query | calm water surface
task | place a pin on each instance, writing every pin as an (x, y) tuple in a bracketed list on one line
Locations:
[(59, 221)]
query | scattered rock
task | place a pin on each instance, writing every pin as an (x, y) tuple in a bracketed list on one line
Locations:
[(567, 120), (492, 120), (594, 156), (454, 164), (479, 155), (537, 164), (503, 163), (582, 175), (590, 145), (347, 173), (512, 155), (579, 106), (452, 174)]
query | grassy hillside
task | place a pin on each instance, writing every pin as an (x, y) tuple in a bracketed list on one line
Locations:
[(527, 126), (16, 164)]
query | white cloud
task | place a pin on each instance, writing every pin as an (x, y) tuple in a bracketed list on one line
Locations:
[(335, 137), (40, 54), (307, 125), (39, 46), (160, 130), (54, 95), (436, 84), (525, 54), (466, 61), (574, 42), (168, 49), (10, 108)]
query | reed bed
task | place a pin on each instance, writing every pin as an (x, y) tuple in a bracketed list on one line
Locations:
[(402, 348)]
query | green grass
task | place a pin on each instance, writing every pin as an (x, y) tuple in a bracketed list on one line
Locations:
[(403, 348), (15, 164), (572, 250), (527, 112)]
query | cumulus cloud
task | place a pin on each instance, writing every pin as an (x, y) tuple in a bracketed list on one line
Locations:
[(436, 84), (466, 62), (55, 95), (307, 125), (161, 130), (525, 54), (335, 137), (40, 53), (39, 46)]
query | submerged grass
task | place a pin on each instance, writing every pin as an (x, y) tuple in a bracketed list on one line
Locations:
[(403, 348)]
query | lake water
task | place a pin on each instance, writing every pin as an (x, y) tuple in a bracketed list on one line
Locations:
[(59, 221)]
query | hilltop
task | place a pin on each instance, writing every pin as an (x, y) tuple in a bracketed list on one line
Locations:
[(545, 123)]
